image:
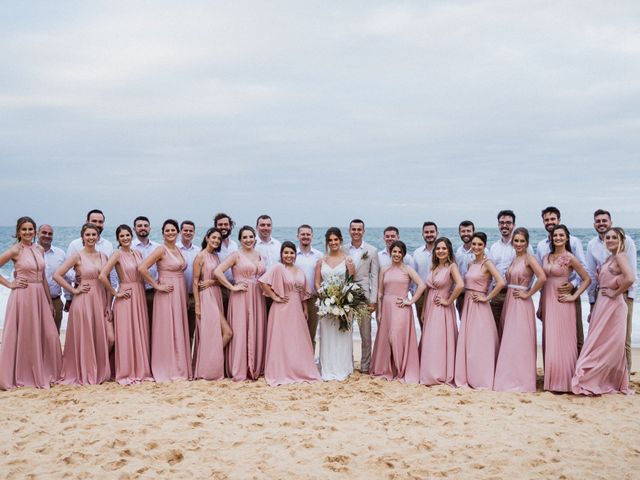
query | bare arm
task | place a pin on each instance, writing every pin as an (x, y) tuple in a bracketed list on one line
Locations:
[(500, 283), (11, 254), (541, 277), (58, 276), (156, 255), (420, 285), (586, 281), (229, 262), (195, 287), (457, 289), (622, 261), (104, 275), (381, 283), (317, 277), (266, 288)]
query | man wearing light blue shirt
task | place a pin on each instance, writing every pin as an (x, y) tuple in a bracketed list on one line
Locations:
[(307, 258), (189, 252), (53, 258), (144, 245)]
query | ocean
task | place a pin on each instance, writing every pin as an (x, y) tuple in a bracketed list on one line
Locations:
[(412, 236)]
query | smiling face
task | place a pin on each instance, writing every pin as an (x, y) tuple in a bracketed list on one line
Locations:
[(559, 238), (356, 232), (465, 233), (612, 241), (519, 243), (396, 255), (170, 233), (124, 238), (550, 221), (90, 237), (45, 236), (26, 232), (264, 228), (506, 225), (602, 223), (334, 243), (305, 236), (214, 240), (224, 225), (477, 246), (441, 251), (288, 256), (389, 237), (97, 219), (429, 234), (142, 228), (247, 239), (187, 232)]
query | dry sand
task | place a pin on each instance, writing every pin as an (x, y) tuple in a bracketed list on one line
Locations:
[(360, 428)]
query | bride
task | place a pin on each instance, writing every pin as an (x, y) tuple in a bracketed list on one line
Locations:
[(336, 347)]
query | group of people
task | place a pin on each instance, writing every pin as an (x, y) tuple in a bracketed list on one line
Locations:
[(246, 309)]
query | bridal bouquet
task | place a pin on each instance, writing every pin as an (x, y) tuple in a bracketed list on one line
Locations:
[(343, 299)]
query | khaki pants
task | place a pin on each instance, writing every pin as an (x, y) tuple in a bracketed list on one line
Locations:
[(312, 319), (364, 325), (627, 342), (497, 303), (57, 311)]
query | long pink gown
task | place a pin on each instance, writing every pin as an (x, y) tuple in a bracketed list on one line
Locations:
[(395, 351), (516, 367), (170, 349), (208, 352), (247, 317), (86, 348), (289, 353), (559, 328), (439, 332), (131, 324), (477, 347), (602, 365), (30, 355)]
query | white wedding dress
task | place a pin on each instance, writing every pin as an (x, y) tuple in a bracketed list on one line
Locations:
[(336, 347)]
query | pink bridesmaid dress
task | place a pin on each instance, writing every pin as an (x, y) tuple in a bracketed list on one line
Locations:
[(602, 365), (560, 350), (131, 324), (516, 367), (86, 348), (395, 351), (477, 346), (208, 352), (439, 333), (247, 317), (170, 349), (289, 353), (30, 355)]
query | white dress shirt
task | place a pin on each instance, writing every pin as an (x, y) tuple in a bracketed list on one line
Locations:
[(384, 259), (269, 250), (307, 263), (422, 260), (356, 254), (103, 246), (53, 258), (597, 254), (225, 251), (544, 248), (145, 251), (189, 255)]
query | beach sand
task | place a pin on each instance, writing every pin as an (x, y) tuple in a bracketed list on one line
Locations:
[(360, 428)]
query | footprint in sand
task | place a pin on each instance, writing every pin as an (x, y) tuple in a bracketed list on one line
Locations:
[(174, 456), (337, 463)]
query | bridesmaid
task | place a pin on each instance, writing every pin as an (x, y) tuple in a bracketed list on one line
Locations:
[(602, 365), (440, 331), (247, 308), (289, 355), (170, 349), (30, 354), (86, 348), (395, 351), (212, 330), (559, 345), (477, 347), (129, 312), (516, 367)]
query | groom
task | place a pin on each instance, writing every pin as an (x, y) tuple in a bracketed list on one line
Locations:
[(365, 259)]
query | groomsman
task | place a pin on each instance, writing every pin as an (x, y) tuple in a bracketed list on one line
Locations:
[(365, 260), (53, 258), (597, 254), (225, 224), (189, 252), (266, 245), (422, 258), (550, 219), (307, 258), (464, 255), (97, 218), (143, 244), (390, 235)]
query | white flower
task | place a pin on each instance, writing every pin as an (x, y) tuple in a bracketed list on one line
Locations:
[(350, 297)]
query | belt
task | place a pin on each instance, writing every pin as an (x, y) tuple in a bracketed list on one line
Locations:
[(517, 287), (55, 298)]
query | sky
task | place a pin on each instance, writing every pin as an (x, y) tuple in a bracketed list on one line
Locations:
[(318, 112)]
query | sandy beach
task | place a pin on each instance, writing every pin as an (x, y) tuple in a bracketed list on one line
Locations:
[(360, 428)]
